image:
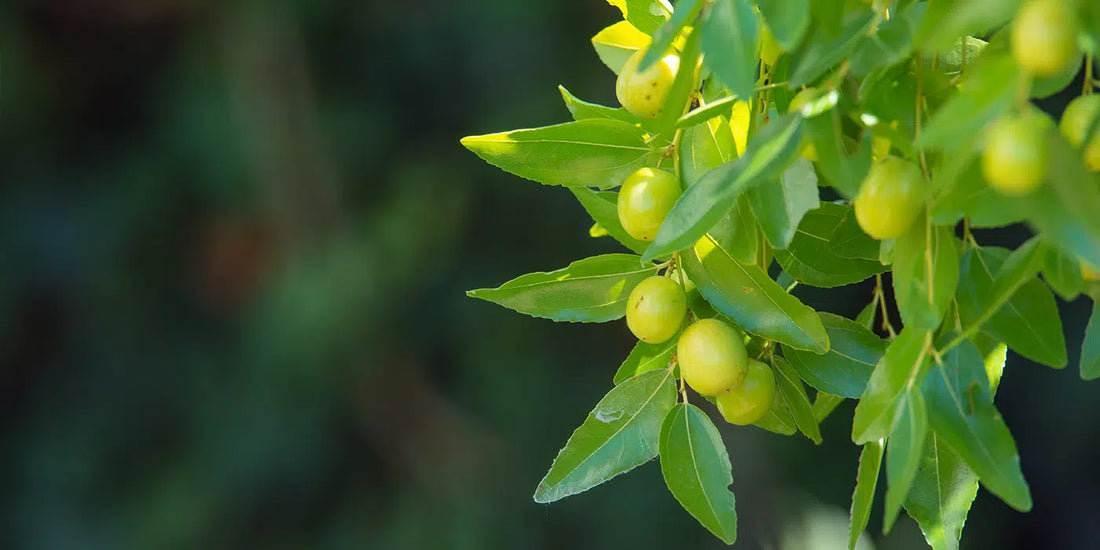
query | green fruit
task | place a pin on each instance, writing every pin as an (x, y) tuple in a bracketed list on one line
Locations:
[(1014, 160), (1075, 122), (655, 309), (645, 199), (1044, 37), (643, 93), (890, 198), (712, 357), (749, 402)]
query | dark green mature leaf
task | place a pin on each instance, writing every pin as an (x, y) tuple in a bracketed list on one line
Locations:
[(710, 198), (926, 271), (947, 20), (941, 495), (592, 290), (620, 434), (645, 357), (615, 44), (794, 395), (987, 91), (842, 170), (870, 462), (730, 35), (825, 49), (845, 369), (703, 148), (903, 454), (810, 259), (1090, 347), (902, 367), (603, 207), (1065, 208), (697, 469), (825, 404), (753, 300), (583, 110), (1000, 292), (961, 410), (737, 232), (682, 16), (778, 419), (646, 15), (589, 153), (849, 241), (780, 204), (787, 19), (892, 42), (1063, 273)]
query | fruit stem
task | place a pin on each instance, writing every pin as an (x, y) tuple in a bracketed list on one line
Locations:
[(881, 297), (1023, 92), (1087, 86), (916, 115)]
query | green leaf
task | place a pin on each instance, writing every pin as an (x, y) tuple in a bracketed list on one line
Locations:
[(720, 107), (926, 271), (810, 259), (825, 404), (787, 19), (793, 394), (866, 317), (592, 290), (737, 233), (646, 357), (987, 91), (892, 42), (647, 15), (583, 110), (780, 204), (703, 148), (697, 470), (843, 171), (620, 434), (849, 241), (602, 206), (902, 367), (679, 95), (730, 35), (710, 198), (825, 49), (615, 44), (941, 495), (589, 153), (947, 20), (1000, 292), (870, 462), (683, 15), (1064, 209), (1090, 347), (1063, 273), (753, 300), (903, 454), (964, 192), (845, 369), (960, 408), (778, 419)]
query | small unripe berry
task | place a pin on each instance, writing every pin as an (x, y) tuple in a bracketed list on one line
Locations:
[(890, 198), (1044, 37), (645, 199), (1015, 157), (655, 309), (749, 402), (1075, 122), (643, 93), (712, 356)]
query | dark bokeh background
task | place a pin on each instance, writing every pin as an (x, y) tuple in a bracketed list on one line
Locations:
[(234, 240)]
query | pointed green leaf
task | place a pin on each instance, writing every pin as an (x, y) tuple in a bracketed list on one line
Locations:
[(986, 92), (620, 434), (941, 495), (825, 404), (592, 290), (737, 232), (730, 36), (1063, 273), (644, 358), (753, 300), (926, 271), (583, 110), (780, 204), (590, 153), (794, 395), (1090, 348), (826, 50), (665, 35), (845, 369), (778, 419), (720, 107), (841, 168), (615, 44), (870, 462), (902, 367), (703, 148), (787, 19), (849, 241), (697, 470), (904, 451), (810, 260), (603, 207), (866, 317), (892, 42)]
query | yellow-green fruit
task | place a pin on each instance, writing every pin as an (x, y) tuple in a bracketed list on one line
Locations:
[(1044, 37), (655, 309), (769, 48), (1088, 272), (890, 198), (712, 357), (808, 151), (1075, 122), (643, 93), (1015, 156), (749, 402), (645, 199), (880, 147)]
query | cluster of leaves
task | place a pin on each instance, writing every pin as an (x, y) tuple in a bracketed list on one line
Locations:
[(923, 78)]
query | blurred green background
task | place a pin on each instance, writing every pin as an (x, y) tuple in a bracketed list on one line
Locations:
[(235, 239)]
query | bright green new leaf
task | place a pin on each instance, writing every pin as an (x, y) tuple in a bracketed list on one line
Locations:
[(794, 395), (646, 15), (901, 368), (589, 153), (730, 35), (703, 148), (697, 469), (987, 91), (720, 107), (615, 44), (826, 50), (787, 19), (870, 462), (644, 358), (780, 204), (960, 408), (1090, 347), (665, 35), (592, 290), (1063, 273), (602, 206), (620, 434), (582, 110), (926, 271), (845, 369), (903, 454), (810, 260), (753, 300), (941, 495)]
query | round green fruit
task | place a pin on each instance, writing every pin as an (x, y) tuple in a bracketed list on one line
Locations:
[(890, 198), (643, 94), (655, 309), (1075, 122), (1044, 37), (645, 199), (749, 402), (712, 357), (1014, 160)]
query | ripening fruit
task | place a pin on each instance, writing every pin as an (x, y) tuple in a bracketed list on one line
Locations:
[(748, 402), (712, 356), (1044, 37), (890, 198), (880, 147), (643, 93), (1015, 158), (1075, 122), (645, 199), (655, 309)]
